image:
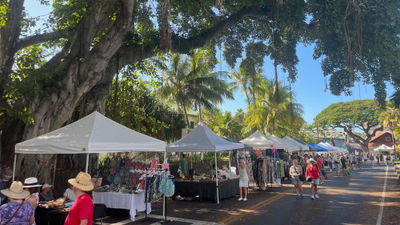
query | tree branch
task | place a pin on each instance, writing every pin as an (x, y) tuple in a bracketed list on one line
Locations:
[(38, 38), (184, 45)]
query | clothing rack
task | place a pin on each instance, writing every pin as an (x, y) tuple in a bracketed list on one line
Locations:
[(146, 218)]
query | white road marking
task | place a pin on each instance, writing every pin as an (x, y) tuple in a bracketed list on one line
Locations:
[(380, 215)]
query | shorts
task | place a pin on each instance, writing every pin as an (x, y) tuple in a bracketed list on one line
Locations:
[(296, 181), (354, 162), (244, 183), (315, 181)]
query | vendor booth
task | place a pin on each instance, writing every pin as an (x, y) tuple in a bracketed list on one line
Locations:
[(383, 148), (95, 134), (298, 145), (202, 139), (269, 161)]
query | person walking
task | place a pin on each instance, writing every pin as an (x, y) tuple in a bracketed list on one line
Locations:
[(313, 174), (17, 211), (243, 181), (81, 212), (296, 171), (343, 165)]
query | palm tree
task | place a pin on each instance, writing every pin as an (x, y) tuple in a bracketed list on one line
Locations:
[(189, 82), (274, 115), (174, 83), (249, 85), (208, 87)]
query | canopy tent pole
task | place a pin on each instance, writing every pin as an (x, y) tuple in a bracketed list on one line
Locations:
[(216, 176), (55, 170), (229, 165), (164, 199), (14, 166), (87, 163)]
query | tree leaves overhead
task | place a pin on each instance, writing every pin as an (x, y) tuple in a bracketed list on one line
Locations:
[(356, 47)]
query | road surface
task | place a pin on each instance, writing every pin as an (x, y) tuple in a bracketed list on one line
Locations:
[(356, 199)]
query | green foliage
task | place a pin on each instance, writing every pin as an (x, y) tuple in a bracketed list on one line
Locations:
[(224, 124), (190, 83), (353, 113), (370, 50), (280, 116), (139, 109)]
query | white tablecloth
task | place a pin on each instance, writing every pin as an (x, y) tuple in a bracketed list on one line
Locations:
[(114, 200)]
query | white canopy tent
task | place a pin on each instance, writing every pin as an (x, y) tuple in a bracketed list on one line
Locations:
[(94, 133), (202, 139), (299, 146), (383, 148), (332, 148), (259, 141)]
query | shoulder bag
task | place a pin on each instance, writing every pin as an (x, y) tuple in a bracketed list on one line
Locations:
[(15, 213)]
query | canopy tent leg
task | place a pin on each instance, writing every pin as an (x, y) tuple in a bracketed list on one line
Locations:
[(229, 165), (216, 176), (14, 166), (55, 170), (164, 199), (87, 163)]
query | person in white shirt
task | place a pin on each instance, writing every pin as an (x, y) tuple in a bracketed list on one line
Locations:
[(69, 194)]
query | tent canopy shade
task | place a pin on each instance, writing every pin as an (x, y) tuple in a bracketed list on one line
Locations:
[(202, 139), (94, 133), (317, 147), (383, 148), (258, 141), (300, 146)]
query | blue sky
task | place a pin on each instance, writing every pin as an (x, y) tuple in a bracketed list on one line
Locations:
[(309, 87)]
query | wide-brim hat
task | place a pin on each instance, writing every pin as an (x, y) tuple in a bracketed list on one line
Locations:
[(31, 182), (313, 160), (83, 182), (16, 191)]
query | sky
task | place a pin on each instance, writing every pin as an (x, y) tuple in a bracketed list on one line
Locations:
[(309, 87)]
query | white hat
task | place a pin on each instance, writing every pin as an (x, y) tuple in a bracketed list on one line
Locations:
[(31, 182), (16, 191), (46, 186)]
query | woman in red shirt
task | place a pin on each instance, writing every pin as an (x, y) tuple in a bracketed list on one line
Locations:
[(313, 173), (81, 212)]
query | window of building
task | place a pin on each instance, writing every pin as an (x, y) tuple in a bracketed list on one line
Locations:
[(387, 139)]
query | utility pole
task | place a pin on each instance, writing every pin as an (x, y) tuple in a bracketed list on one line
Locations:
[(317, 125)]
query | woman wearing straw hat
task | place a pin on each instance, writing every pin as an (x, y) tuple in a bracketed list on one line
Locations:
[(81, 212), (16, 211)]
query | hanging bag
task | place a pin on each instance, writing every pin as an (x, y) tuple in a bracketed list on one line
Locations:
[(15, 213)]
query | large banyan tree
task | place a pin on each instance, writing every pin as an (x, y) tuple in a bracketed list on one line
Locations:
[(52, 76)]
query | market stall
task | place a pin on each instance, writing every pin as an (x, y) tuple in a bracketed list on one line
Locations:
[(202, 139), (383, 148), (298, 145), (96, 134), (269, 161)]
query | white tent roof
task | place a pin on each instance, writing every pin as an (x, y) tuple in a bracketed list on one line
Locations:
[(298, 145), (258, 141), (202, 139), (332, 148), (383, 148), (94, 133), (281, 144)]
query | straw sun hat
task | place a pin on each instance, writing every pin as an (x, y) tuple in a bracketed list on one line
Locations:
[(83, 181), (16, 191)]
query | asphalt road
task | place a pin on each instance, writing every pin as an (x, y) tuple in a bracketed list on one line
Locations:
[(343, 200)]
